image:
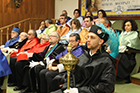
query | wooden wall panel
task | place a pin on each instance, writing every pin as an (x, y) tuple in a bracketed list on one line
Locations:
[(29, 9), (1, 14)]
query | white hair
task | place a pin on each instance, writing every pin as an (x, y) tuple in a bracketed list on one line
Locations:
[(47, 36), (24, 33)]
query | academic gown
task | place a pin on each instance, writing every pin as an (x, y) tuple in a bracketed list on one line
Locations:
[(4, 66), (127, 61), (93, 74), (39, 47), (32, 73), (11, 42), (77, 52), (18, 45), (29, 45)]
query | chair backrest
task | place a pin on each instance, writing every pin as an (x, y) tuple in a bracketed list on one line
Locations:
[(117, 63)]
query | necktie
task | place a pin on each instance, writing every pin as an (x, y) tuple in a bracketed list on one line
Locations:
[(49, 49), (61, 27)]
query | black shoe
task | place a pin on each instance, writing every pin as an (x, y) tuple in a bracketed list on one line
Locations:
[(128, 80), (26, 90), (35, 92), (1, 91), (17, 88), (11, 84)]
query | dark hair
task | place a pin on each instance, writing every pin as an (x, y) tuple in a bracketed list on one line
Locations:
[(133, 24), (91, 19), (78, 11), (44, 22), (64, 11), (90, 13), (76, 22), (104, 13), (107, 21), (64, 16), (77, 36), (34, 32), (49, 21)]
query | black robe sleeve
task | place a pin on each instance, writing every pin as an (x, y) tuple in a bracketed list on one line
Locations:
[(98, 79), (39, 56)]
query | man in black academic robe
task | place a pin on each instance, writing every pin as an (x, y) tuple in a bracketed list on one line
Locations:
[(95, 72), (32, 74)]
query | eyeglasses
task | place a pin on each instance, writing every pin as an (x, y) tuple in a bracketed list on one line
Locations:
[(29, 34), (71, 40), (43, 38), (52, 36), (100, 13)]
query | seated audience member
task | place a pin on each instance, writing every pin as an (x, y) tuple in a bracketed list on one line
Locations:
[(50, 27), (23, 37), (4, 69), (88, 13), (14, 37), (83, 34), (19, 65), (46, 75), (95, 72), (49, 53), (76, 14), (41, 28), (9, 50), (68, 18), (129, 41), (113, 42), (30, 43), (106, 22), (41, 46), (75, 28), (100, 13), (63, 28)]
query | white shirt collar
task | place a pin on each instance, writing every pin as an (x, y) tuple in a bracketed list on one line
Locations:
[(88, 29), (91, 54), (50, 25), (74, 30), (127, 33), (64, 25)]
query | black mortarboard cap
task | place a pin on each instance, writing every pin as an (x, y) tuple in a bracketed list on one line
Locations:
[(99, 32)]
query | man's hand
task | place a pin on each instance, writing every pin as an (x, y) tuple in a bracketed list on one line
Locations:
[(39, 37), (40, 27), (4, 49), (10, 51), (108, 50), (50, 67), (54, 68)]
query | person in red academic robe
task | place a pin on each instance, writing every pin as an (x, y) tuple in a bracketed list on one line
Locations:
[(41, 46), (36, 49), (30, 43)]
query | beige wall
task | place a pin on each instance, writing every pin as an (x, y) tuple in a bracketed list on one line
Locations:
[(68, 5)]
